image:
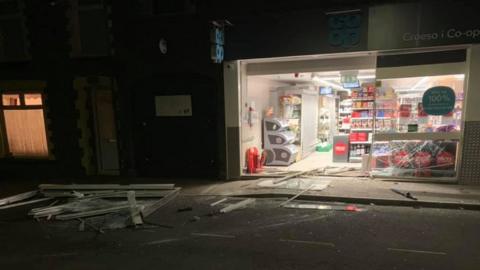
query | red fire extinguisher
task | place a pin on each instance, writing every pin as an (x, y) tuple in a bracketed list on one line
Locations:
[(252, 159)]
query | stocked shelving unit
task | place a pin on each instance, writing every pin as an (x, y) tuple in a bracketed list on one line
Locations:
[(344, 113), (362, 121)]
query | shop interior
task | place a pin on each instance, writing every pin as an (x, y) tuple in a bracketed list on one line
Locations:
[(349, 119)]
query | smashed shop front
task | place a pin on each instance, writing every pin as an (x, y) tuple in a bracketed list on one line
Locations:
[(382, 90)]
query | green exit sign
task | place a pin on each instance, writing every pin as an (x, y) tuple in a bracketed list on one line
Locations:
[(349, 78)]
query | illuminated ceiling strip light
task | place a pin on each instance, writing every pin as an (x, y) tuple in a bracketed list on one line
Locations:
[(331, 78), (363, 77), (422, 80), (336, 78), (333, 85)]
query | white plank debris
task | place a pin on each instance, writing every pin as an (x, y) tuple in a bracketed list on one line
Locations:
[(92, 212), (218, 202), (103, 204), (293, 175), (106, 193), (149, 209), (134, 209), (298, 194), (105, 186), (18, 197), (24, 203), (241, 204)]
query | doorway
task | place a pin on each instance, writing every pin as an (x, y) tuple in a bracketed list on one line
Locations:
[(297, 115), (105, 130)]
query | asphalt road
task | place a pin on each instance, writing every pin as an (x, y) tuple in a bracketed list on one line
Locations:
[(263, 236)]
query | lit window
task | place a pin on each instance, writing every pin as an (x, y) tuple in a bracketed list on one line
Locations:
[(25, 124), (33, 99), (11, 100)]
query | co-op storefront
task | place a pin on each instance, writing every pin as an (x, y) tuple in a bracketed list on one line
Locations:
[(389, 89)]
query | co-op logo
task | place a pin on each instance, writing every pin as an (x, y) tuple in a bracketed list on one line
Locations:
[(444, 34), (344, 30)]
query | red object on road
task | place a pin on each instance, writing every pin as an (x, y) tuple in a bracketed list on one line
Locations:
[(352, 208)]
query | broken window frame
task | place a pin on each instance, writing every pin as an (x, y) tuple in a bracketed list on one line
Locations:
[(456, 137)]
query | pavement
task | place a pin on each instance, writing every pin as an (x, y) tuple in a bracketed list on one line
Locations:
[(353, 190), (336, 189)]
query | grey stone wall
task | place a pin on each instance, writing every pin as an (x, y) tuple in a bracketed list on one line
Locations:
[(470, 167)]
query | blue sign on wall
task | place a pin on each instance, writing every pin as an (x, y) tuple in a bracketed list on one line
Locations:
[(438, 100)]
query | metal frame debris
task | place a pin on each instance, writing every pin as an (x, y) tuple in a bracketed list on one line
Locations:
[(86, 202)]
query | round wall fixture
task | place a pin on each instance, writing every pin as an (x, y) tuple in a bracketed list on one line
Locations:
[(162, 45)]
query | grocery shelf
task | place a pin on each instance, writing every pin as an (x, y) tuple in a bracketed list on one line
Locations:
[(386, 99), (417, 136), (361, 118), (363, 99), (361, 129), (360, 142), (361, 109)]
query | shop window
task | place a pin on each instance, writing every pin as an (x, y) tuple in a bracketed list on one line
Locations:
[(400, 109), (411, 138), (24, 123)]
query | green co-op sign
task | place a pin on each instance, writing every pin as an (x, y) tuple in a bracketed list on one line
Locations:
[(438, 100)]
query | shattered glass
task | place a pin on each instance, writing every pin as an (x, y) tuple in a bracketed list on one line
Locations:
[(414, 158)]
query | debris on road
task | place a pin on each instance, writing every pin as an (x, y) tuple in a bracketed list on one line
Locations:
[(218, 202), (298, 183), (404, 194), (290, 176), (113, 206), (12, 205), (238, 205), (349, 208), (296, 196), (18, 197)]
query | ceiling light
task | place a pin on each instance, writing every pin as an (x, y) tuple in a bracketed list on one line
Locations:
[(364, 77), (331, 78), (420, 82), (333, 85), (459, 76)]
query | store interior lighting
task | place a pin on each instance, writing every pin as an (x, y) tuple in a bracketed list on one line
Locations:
[(325, 81)]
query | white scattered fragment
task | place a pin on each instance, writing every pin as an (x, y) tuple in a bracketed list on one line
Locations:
[(238, 205), (213, 235), (161, 241), (18, 197), (24, 203), (217, 202), (417, 251), (318, 243)]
